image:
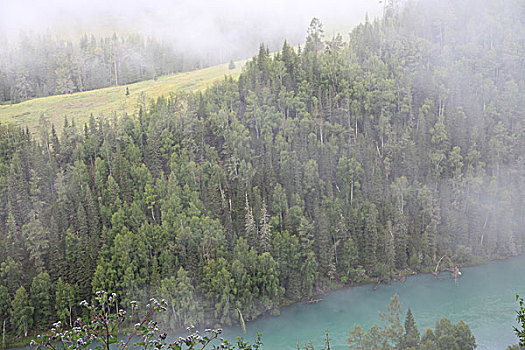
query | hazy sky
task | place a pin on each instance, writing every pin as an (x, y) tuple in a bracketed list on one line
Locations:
[(191, 24)]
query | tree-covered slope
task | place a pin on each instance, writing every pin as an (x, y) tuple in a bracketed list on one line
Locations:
[(317, 167)]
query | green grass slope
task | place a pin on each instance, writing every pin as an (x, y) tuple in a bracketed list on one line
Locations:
[(80, 105)]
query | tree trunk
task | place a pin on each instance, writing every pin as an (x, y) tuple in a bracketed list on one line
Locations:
[(176, 320), (437, 266), (352, 194), (116, 71)]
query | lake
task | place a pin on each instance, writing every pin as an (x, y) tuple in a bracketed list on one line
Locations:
[(484, 298)]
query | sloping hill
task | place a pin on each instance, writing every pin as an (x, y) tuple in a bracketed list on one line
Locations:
[(79, 106)]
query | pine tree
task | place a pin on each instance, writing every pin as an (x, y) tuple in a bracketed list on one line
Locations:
[(315, 36), (37, 242), (370, 237), (411, 337), (309, 275), (66, 297), (10, 275), (64, 81), (18, 193), (41, 299), (82, 270), (22, 312), (250, 228), (387, 336), (93, 237), (56, 264), (265, 232), (390, 254), (323, 247), (5, 307), (180, 294)]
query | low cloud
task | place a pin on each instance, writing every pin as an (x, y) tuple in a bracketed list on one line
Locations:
[(224, 28)]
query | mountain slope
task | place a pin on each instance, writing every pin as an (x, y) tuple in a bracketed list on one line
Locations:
[(79, 106)]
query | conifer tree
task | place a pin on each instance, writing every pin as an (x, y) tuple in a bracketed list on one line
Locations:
[(22, 312), (370, 237), (37, 242), (250, 228), (10, 275), (66, 297), (41, 300), (265, 235), (185, 307), (411, 337), (5, 307)]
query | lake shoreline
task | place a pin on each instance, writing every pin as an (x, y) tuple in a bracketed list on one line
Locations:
[(412, 273), (18, 343), (484, 298)]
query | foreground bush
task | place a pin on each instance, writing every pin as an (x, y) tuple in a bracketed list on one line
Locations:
[(110, 327)]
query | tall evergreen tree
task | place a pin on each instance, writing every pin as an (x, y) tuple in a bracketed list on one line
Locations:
[(184, 307), (411, 337), (66, 298), (5, 308), (42, 300), (22, 312)]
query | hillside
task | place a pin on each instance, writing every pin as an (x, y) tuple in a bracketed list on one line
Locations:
[(79, 106), (317, 168)]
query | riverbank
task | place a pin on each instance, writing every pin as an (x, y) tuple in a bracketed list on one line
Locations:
[(364, 287), (484, 298), (15, 343), (405, 273)]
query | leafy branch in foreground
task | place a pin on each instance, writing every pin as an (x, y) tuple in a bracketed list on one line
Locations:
[(521, 321), (106, 322)]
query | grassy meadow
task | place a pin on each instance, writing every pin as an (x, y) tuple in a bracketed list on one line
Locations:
[(78, 106)]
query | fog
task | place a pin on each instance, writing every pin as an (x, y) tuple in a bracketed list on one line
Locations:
[(366, 161), (226, 28)]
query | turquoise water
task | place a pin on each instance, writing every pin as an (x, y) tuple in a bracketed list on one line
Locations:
[(484, 297)]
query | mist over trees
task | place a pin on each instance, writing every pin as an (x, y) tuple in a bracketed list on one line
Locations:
[(37, 66), (319, 167)]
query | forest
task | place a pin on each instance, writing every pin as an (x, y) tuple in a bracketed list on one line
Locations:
[(322, 166), (43, 65)]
